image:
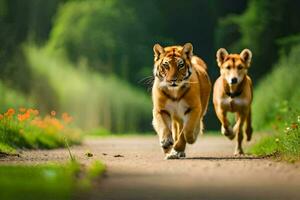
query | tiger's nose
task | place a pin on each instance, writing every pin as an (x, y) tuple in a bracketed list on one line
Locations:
[(173, 80), (234, 80)]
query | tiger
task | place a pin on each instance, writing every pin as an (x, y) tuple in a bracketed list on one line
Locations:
[(180, 96)]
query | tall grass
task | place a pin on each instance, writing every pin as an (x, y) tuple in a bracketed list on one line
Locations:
[(11, 98), (277, 92), (26, 128), (93, 99), (284, 143), (276, 106)]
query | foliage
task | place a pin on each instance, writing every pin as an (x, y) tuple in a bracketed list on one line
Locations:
[(12, 98), (47, 182), (27, 129), (278, 92), (258, 29), (116, 38), (93, 99), (285, 144), (276, 106)]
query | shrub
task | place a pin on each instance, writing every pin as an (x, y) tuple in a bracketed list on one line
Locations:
[(27, 129)]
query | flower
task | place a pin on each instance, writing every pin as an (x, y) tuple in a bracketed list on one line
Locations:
[(10, 112), (22, 110), (53, 113), (1, 116), (66, 117), (35, 112), (22, 117), (294, 126), (287, 129)]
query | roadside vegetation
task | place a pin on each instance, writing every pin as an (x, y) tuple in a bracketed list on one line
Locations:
[(93, 99), (48, 181), (276, 108), (26, 128)]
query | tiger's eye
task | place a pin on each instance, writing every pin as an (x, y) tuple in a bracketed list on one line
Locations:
[(165, 65), (180, 65), (240, 67), (228, 67)]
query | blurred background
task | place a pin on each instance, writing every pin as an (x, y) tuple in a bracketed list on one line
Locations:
[(90, 58)]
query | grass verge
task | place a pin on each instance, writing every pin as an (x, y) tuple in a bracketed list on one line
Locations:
[(27, 129), (283, 144), (47, 182)]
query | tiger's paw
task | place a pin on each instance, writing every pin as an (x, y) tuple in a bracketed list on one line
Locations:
[(167, 142), (175, 155)]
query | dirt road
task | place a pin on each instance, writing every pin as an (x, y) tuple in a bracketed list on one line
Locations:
[(136, 170)]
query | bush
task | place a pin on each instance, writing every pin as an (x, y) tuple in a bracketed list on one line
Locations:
[(27, 129), (276, 104), (278, 92)]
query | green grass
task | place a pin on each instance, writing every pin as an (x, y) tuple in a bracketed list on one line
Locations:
[(284, 142), (283, 146), (27, 129), (47, 182), (10, 98), (276, 104), (277, 92), (93, 99)]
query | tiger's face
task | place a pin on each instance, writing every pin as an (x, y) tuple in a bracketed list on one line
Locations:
[(172, 65)]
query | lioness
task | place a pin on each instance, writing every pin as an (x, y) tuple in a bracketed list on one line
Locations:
[(180, 96)]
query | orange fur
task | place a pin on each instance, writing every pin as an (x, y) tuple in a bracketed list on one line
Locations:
[(180, 97), (233, 93)]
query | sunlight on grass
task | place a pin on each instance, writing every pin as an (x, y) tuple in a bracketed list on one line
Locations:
[(93, 99), (285, 144), (26, 128)]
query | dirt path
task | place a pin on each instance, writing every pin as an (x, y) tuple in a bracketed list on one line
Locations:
[(136, 170)]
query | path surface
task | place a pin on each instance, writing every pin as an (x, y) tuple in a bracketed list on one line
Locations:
[(136, 170)]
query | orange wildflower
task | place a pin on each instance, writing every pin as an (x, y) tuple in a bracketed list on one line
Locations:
[(35, 112), (22, 117), (53, 113), (67, 118), (1, 116), (30, 111), (22, 110), (294, 126), (10, 112)]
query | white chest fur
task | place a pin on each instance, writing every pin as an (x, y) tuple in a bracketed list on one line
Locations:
[(177, 108)]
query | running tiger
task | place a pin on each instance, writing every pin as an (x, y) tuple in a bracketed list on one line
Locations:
[(180, 96)]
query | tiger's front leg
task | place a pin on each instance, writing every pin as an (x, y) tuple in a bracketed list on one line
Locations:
[(177, 132), (191, 127), (162, 125)]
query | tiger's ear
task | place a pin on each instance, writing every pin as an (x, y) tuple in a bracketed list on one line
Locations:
[(246, 55), (221, 55), (158, 50), (188, 50)]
